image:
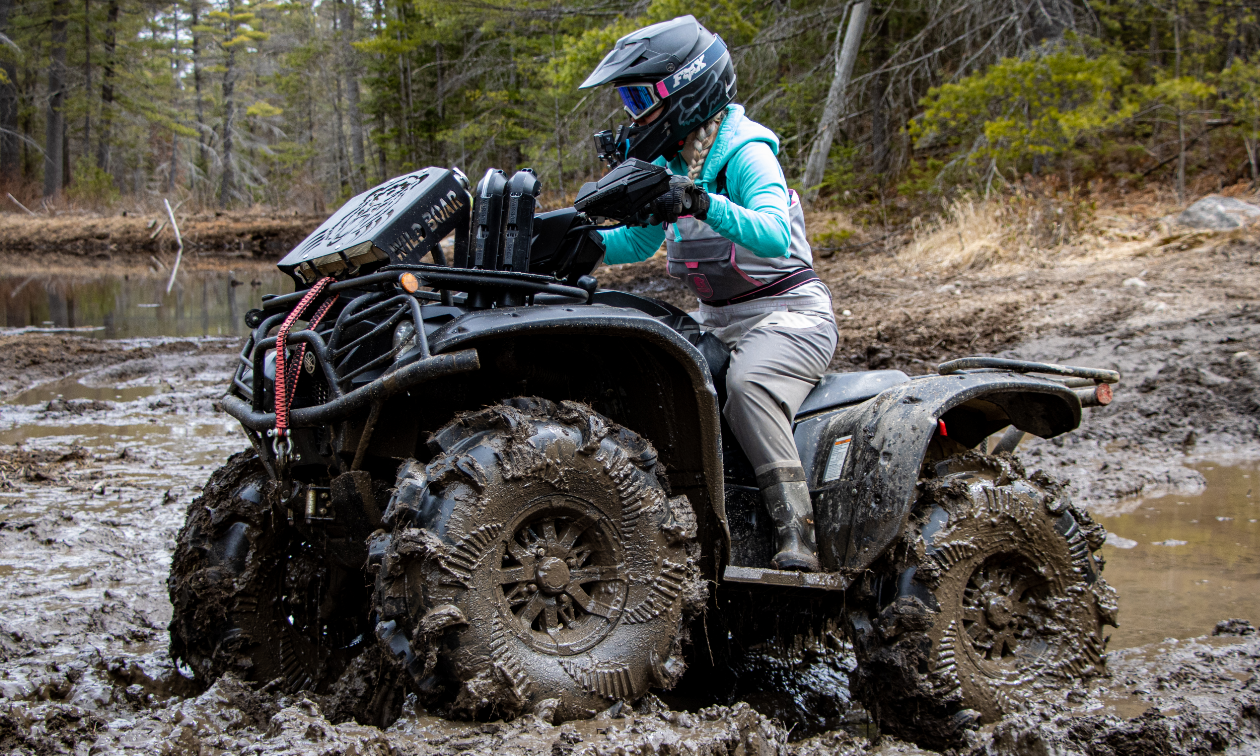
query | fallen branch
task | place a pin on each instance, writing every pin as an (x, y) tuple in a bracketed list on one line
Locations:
[(179, 251), (19, 204), (161, 226)]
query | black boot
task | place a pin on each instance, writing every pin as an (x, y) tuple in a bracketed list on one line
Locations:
[(787, 500)]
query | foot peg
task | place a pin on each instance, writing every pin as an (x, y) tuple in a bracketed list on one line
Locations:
[(787, 500)]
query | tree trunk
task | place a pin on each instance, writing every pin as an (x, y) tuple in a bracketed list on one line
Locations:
[(227, 187), (55, 126), (9, 155), (357, 181), (1181, 121), (1250, 144), (816, 164), (195, 14), (107, 87), (170, 174), (881, 127), (87, 78)]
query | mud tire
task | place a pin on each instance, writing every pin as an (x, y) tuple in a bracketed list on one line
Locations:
[(993, 595), (471, 589), (240, 572)]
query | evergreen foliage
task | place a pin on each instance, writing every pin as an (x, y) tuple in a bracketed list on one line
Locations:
[(302, 103)]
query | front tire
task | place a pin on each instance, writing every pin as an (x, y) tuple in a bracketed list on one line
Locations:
[(252, 595), (537, 563), (993, 594)]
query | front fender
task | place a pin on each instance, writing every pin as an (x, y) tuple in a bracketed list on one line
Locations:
[(863, 510), (671, 401)]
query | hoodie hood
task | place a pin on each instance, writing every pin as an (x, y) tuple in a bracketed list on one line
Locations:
[(736, 131)]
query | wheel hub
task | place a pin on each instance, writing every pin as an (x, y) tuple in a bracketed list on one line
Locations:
[(561, 577), (552, 575), (1004, 611), (999, 611)]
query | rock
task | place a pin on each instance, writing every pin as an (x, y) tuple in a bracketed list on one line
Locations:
[(1234, 627), (1217, 213)]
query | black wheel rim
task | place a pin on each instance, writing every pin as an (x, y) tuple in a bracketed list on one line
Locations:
[(560, 575), (1007, 614)]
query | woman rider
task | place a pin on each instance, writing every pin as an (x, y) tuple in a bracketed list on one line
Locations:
[(742, 251)]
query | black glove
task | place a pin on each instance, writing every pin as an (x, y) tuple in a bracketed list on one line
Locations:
[(683, 198)]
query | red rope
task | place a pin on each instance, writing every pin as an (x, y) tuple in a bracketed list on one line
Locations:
[(286, 380)]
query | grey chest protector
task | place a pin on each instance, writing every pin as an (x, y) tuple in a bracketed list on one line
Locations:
[(721, 272)]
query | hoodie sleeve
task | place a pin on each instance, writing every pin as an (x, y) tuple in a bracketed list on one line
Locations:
[(755, 216), (631, 243)]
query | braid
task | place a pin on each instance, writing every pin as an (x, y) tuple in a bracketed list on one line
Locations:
[(700, 142)]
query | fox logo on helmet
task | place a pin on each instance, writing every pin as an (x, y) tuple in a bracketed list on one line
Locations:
[(689, 72)]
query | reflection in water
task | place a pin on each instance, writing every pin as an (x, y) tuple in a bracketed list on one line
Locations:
[(202, 303), (71, 388), (1191, 561)]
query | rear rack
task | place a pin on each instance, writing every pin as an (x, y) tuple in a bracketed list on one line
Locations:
[(1091, 375), (1092, 385)]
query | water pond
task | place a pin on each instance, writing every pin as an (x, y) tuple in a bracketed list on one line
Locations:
[(136, 305), (1182, 563)]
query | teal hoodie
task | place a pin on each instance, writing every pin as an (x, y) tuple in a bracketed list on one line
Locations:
[(753, 211)]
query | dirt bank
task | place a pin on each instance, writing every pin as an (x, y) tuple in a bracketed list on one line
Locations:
[(35, 244)]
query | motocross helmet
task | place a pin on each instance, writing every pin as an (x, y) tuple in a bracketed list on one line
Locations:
[(677, 65)]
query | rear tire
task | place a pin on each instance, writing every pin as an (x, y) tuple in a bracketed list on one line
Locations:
[(992, 595), (253, 596), (537, 563)]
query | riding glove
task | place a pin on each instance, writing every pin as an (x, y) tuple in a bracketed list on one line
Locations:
[(683, 198)]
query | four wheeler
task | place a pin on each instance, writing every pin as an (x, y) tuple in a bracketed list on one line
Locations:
[(496, 485)]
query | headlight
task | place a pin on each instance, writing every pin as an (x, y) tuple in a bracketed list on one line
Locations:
[(404, 338)]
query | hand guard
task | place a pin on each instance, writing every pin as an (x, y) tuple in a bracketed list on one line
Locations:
[(683, 198)]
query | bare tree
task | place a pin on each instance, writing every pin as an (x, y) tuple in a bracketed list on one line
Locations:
[(351, 68), (107, 86), (9, 156), (227, 187), (194, 12), (846, 56), (55, 128)]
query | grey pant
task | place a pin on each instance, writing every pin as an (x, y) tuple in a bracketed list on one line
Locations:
[(776, 360)]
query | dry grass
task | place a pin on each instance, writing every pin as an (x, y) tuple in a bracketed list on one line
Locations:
[(1024, 229)]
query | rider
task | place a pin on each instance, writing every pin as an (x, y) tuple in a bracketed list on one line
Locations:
[(742, 249)]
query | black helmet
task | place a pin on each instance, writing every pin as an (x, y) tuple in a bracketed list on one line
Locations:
[(677, 65)]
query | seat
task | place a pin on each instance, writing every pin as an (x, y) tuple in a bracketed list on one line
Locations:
[(839, 389)]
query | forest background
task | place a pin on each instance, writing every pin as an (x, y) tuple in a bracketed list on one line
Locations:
[(300, 105)]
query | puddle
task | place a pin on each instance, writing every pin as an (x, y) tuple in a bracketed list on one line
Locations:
[(202, 303), (1183, 563), (70, 389)]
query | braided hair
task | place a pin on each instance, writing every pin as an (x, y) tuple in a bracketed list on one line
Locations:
[(699, 142)]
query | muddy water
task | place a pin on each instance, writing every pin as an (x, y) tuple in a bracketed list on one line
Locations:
[(1181, 563), (130, 305)]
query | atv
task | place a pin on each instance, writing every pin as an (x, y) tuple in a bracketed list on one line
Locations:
[(494, 485)]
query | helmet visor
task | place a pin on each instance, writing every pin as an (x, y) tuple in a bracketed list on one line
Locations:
[(639, 99)]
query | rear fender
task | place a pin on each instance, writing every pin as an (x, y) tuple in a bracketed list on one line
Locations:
[(862, 502)]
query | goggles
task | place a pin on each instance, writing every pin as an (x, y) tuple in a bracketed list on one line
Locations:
[(639, 99)]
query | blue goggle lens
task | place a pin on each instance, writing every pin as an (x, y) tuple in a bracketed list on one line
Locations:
[(638, 99)]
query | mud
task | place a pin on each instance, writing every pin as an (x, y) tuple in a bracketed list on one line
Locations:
[(104, 443), (96, 494)]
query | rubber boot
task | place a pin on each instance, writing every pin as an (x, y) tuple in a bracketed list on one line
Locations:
[(787, 500)]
